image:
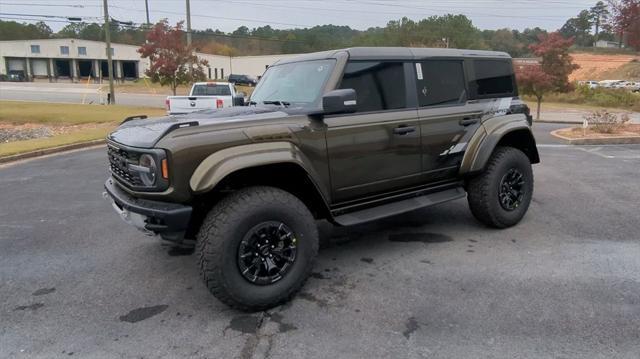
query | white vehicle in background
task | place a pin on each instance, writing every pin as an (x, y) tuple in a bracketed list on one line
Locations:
[(589, 83), (633, 86), (203, 96), (609, 83)]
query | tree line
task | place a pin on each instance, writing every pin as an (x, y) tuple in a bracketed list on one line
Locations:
[(618, 20)]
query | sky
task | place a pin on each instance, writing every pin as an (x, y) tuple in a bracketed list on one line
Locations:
[(227, 15)]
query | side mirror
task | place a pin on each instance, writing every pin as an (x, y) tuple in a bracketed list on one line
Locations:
[(339, 101), (238, 99)]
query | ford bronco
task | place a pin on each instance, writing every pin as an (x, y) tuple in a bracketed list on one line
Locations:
[(350, 136)]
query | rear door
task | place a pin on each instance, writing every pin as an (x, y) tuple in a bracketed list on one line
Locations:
[(376, 149), (447, 121)]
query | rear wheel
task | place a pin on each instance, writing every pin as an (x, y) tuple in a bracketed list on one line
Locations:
[(500, 196), (256, 248)]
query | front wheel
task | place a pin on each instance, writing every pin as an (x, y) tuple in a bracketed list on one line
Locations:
[(256, 248), (500, 196)]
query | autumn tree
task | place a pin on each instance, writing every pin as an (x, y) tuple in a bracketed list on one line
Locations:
[(552, 74), (553, 49), (626, 21), (172, 62), (532, 80)]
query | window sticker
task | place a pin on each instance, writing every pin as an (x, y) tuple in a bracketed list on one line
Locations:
[(419, 71)]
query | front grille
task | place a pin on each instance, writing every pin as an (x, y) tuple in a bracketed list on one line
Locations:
[(119, 160)]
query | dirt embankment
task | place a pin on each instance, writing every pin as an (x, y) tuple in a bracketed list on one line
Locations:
[(605, 67)]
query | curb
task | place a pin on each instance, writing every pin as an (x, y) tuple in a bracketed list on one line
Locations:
[(618, 140), (49, 151), (558, 122)]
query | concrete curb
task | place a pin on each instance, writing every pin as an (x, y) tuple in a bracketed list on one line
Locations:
[(617, 140), (49, 151), (558, 122)]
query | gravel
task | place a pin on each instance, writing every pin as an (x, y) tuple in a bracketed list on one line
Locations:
[(21, 134)]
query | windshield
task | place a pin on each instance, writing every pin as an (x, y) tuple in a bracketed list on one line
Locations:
[(296, 83), (211, 90)]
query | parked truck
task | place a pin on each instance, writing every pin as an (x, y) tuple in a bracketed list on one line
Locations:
[(203, 96)]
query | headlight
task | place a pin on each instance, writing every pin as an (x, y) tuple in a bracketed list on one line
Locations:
[(148, 170)]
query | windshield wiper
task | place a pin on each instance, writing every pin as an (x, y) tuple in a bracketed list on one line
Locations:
[(277, 102), (250, 103)]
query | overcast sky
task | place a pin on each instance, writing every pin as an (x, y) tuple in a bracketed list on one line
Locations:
[(227, 15)]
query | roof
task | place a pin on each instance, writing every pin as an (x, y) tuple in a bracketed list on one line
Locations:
[(397, 53)]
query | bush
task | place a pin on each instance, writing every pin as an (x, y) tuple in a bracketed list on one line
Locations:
[(606, 122)]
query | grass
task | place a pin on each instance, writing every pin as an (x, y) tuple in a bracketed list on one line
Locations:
[(100, 120), (592, 99), (628, 71), (12, 148), (16, 112)]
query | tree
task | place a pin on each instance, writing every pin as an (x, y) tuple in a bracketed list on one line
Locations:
[(599, 15), (172, 62), (626, 21), (553, 49), (579, 28), (532, 80)]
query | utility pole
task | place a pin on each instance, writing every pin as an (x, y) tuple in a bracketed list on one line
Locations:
[(189, 36), (146, 7), (107, 35), (188, 24)]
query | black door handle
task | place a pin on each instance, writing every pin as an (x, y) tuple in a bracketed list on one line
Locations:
[(468, 121), (403, 130)]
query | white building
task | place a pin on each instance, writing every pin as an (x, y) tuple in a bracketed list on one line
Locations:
[(83, 60)]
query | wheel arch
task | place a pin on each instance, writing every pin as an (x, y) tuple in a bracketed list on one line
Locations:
[(500, 131)]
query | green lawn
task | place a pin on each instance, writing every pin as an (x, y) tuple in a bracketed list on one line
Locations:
[(17, 112), (49, 114)]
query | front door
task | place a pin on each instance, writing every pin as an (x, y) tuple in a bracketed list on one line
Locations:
[(447, 122), (376, 149)]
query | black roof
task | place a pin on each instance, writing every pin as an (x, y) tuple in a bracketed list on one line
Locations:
[(396, 53)]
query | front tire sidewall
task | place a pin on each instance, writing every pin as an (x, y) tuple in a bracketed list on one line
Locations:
[(241, 288)]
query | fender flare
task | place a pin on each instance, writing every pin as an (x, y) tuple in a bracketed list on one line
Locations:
[(485, 140), (222, 163)]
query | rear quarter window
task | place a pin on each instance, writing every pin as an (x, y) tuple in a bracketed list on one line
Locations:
[(493, 78)]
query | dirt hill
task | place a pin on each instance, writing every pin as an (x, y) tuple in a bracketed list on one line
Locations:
[(606, 67)]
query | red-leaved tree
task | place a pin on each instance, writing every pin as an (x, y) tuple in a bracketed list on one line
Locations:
[(626, 21), (532, 80), (172, 62), (553, 49), (552, 74)]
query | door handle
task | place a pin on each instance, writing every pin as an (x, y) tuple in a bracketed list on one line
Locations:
[(403, 130), (468, 121)]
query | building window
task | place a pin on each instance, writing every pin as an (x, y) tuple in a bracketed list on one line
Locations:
[(216, 72), (440, 82), (222, 73), (35, 49), (64, 50), (379, 85), (112, 52), (82, 50)]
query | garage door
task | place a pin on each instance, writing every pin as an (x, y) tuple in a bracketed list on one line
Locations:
[(16, 65), (39, 67)]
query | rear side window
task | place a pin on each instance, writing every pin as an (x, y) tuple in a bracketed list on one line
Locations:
[(211, 90), (379, 85), (440, 82), (492, 78)]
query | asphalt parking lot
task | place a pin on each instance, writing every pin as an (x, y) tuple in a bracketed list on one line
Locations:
[(565, 283)]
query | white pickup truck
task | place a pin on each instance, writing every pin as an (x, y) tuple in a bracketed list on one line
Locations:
[(205, 95)]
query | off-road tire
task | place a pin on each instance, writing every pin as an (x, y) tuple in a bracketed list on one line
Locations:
[(483, 190), (222, 231)]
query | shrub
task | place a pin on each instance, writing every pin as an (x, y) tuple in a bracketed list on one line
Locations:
[(606, 122)]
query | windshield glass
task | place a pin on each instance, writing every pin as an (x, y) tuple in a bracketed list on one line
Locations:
[(211, 90), (297, 83)]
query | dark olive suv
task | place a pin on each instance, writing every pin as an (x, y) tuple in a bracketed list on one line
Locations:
[(349, 136)]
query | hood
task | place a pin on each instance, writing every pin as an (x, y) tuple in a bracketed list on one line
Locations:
[(146, 133)]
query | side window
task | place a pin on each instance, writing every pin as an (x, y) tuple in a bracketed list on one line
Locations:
[(493, 77), (379, 85), (440, 82)]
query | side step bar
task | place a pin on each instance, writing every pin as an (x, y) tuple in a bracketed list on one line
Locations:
[(393, 208)]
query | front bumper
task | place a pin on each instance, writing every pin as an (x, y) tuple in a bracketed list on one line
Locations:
[(151, 217)]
